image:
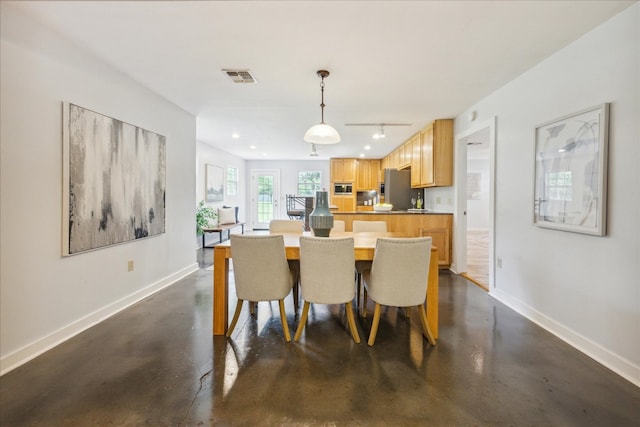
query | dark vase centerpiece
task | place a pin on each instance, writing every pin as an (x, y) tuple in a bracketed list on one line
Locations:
[(321, 219)]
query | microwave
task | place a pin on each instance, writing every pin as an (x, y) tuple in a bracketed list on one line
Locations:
[(342, 188)]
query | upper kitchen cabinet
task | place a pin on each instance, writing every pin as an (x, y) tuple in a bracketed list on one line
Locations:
[(436, 165), (405, 155), (343, 170), (416, 158), (368, 176)]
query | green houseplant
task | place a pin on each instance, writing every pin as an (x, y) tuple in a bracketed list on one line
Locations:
[(204, 215)]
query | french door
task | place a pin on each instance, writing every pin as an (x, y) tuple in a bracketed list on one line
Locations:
[(265, 194)]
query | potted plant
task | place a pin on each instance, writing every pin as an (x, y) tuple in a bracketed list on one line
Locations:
[(204, 216)]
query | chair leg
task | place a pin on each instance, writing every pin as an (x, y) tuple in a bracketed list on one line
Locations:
[(235, 317), (296, 293), (425, 325), (303, 320), (363, 310), (352, 322), (374, 325), (252, 307), (358, 288), (283, 319)]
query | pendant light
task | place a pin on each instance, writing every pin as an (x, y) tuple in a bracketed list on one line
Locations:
[(322, 133)]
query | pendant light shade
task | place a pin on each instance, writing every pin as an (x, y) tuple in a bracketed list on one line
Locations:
[(322, 133)]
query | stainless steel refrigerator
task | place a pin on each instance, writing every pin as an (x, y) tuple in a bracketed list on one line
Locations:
[(397, 188)]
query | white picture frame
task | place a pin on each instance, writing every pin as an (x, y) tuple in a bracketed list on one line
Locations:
[(570, 184), (214, 184)]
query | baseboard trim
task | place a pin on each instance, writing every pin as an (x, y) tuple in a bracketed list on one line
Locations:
[(35, 349), (617, 364)]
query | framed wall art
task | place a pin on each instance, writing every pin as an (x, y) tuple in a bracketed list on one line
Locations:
[(113, 181), (570, 187), (214, 185)]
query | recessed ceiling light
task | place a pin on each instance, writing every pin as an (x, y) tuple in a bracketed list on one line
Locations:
[(235, 135), (367, 147), (361, 154), (264, 154), (253, 147)]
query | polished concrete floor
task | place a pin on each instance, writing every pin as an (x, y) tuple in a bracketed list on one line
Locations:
[(157, 364)]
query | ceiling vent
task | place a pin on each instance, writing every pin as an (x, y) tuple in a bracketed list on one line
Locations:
[(240, 76)]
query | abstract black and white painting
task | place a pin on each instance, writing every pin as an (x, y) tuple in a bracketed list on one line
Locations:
[(570, 190), (114, 181)]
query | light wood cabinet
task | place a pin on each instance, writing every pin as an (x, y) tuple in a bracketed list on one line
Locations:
[(368, 172), (436, 165), (436, 226), (416, 159), (344, 203), (405, 155), (343, 170), (440, 237)]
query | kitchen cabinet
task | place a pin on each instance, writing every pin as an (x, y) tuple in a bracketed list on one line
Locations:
[(440, 237), (416, 159), (405, 155), (368, 172), (436, 165), (343, 170), (344, 203), (437, 226)]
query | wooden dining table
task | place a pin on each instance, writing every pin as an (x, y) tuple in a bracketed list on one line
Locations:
[(364, 248)]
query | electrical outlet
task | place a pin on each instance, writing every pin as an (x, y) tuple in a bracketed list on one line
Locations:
[(499, 262), (130, 265)]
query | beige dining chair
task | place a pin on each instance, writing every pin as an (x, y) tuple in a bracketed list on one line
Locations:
[(369, 226), (399, 277), (289, 226), (338, 226), (362, 266), (326, 276), (261, 273), (286, 226)]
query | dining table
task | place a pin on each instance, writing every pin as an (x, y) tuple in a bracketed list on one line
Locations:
[(364, 249)]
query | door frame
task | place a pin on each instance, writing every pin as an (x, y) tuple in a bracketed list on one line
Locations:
[(254, 196), (459, 264)]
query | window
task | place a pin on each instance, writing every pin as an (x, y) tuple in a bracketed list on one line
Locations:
[(308, 183), (232, 181)]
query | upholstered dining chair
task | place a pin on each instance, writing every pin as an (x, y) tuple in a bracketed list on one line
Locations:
[(369, 226), (261, 273), (362, 266), (286, 226), (290, 226), (398, 277), (326, 276), (338, 226)]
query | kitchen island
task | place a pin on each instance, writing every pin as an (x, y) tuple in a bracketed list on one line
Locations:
[(415, 223)]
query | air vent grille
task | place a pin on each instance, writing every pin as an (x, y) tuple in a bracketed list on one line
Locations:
[(240, 76)]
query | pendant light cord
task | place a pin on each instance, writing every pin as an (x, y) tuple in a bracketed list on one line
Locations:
[(322, 99)]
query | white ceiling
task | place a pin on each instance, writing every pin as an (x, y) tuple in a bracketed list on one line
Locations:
[(390, 61)]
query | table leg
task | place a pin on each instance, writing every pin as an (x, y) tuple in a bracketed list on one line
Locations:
[(220, 291)]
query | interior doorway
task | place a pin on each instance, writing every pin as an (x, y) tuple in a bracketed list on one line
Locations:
[(265, 193), (475, 200)]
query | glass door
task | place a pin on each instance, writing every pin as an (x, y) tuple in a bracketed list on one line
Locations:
[(265, 194)]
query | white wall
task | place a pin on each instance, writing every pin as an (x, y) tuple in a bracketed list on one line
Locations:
[(207, 154), (46, 298), (583, 288), (288, 177)]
